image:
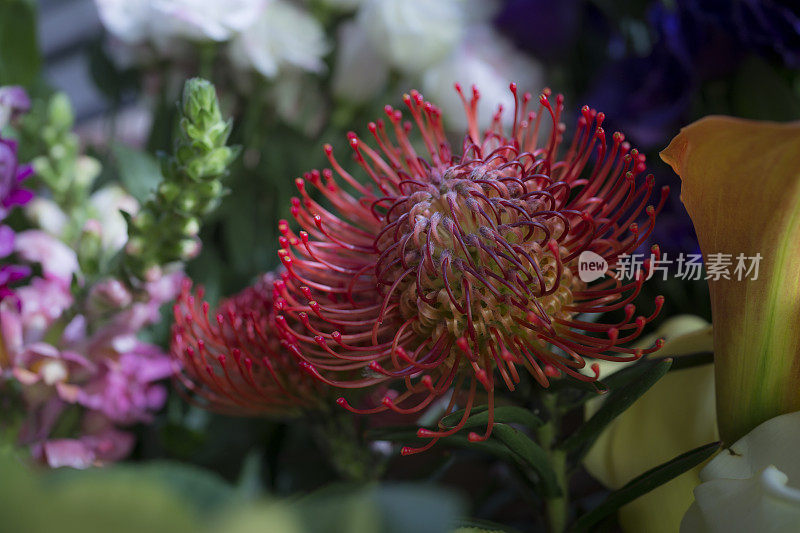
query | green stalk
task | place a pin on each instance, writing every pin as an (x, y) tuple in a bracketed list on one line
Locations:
[(556, 506), (338, 435)]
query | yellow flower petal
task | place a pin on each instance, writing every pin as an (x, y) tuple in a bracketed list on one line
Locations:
[(741, 186), (674, 416)]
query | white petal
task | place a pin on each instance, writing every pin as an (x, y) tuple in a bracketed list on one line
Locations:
[(754, 485), (283, 34), (360, 72), (125, 19), (414, 34), (47, 215), (491, 63)]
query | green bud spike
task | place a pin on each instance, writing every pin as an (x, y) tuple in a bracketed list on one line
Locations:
[(165, 230)]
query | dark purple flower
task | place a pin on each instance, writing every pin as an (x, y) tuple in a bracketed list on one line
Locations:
[(10, 274), (647, 97), (768, 27), (545, 28), (772, 26), (697, 33), (11, 175)]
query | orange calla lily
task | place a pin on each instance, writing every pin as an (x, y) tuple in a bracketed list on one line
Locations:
[(741, 186)]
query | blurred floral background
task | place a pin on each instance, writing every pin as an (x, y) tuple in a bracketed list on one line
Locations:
[(99, 126)]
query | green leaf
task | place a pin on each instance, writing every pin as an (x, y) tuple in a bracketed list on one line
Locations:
[(646, 482), (139, 172), (638, 379), (434, 509), (762, 92), (532, 454), (98, 500), (205, 491), (20, 61), (475, 525), (382, 508), (691, 360), (508, 414), (408, 436), (109, 79)]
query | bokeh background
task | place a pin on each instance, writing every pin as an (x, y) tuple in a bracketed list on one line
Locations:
[(294, 74)]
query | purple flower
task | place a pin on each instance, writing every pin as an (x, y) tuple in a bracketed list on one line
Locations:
[(9, 274), (105, 445), (647, 97), (43, 369), (769, 27), (125, 390), (61, 359), (545, 28), (13, 102), (698, 35), (43, 302), (11, 175)]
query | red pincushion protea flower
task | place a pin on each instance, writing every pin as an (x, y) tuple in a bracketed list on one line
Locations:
[(451, 269), (234, 363)]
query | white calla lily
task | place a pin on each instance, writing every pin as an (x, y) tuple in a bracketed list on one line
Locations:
[(752, 486)]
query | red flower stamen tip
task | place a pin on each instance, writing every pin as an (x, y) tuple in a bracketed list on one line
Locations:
[(551, 371), (424, 433), (427, 382), (402, 354), (459, 263), (477, 437), (484, 379)]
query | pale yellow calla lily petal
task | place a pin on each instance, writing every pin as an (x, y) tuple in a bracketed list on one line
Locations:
[(674, 416), (741, 186)]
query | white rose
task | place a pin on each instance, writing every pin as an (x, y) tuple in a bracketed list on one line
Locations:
[(199, 20), (491, 63), (359, 72), (162, 21), (127, 20), (753, 486), (283, 34), (412, 35)]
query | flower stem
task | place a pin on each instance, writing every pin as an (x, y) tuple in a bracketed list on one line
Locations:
[(555, 506), (347, 453)]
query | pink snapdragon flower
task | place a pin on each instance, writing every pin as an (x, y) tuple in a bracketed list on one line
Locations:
[(72, 352)]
